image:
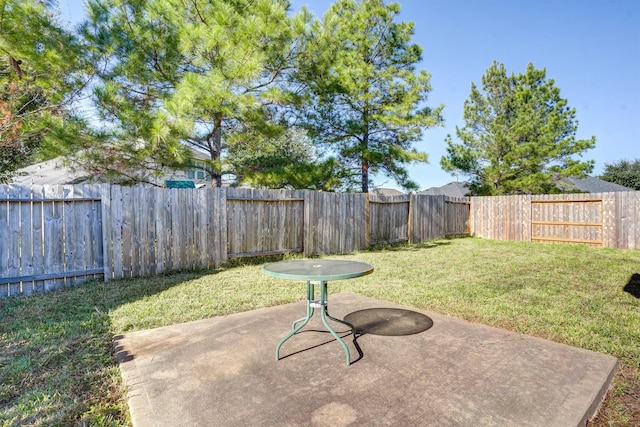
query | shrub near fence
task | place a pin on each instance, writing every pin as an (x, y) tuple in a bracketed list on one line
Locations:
[(54, 236)]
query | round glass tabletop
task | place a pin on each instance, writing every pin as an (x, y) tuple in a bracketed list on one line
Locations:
[(317, 269)]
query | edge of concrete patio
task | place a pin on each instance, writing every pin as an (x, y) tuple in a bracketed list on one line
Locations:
[(409, 367)]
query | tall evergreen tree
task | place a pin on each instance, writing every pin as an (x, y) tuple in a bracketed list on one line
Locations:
[(365, 98), (518, 137), (41, 74), (179, 73)]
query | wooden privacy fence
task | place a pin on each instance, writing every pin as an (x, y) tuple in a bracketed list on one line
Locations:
[(597, 219), (49, 237), (54, 236)]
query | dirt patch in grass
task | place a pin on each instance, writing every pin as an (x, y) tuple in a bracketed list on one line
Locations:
[(622, 403)]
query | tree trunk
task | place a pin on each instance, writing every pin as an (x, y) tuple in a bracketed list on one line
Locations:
[(214, 141), (364, 153), (365, 176), (217, 143)]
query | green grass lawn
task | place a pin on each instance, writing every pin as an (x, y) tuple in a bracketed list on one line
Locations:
[(57, 365)]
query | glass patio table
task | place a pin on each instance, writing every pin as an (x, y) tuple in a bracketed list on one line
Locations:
[(317, 272)]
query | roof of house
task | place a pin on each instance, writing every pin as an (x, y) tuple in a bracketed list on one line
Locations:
[(455, 189), (387, 192), (591, 184), (59, 172), (50, 172)]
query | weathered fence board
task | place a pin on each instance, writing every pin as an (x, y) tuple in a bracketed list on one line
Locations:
[(627, 232), (47, 237), (428, 220), (261, 222), (5, 234), (596, 219), (334, 222), (457, 217), (574, 220), (54, 236), (26, 244), (388, 216), (156, 229), (54, 246), (14, 239), (37, 211)]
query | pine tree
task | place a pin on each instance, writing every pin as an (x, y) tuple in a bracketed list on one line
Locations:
[(289, 161), (178, 74), (41, 74), (364, 97), (518, 136)]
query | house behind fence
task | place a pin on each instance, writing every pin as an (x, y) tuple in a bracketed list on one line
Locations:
[(55, 236)]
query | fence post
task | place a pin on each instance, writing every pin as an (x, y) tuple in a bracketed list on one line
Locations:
[(412, 196), (307, 233), (367, 221), (105, 202)]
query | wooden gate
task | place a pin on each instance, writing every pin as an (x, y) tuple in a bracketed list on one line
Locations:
[(567, 221)]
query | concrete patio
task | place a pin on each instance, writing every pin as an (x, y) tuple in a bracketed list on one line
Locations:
[(409, 368)]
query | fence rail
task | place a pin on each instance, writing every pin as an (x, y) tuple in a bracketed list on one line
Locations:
[(49, 237), (55, 236), (597, 219)]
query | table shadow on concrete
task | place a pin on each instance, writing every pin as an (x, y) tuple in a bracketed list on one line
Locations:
[(383, 321), (342, 334), (387, 321)]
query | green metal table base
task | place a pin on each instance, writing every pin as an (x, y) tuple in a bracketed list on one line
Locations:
[(312, 304)]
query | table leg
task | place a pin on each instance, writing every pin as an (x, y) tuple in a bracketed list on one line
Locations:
[(310, 296), (322, 304), (303, 320), (324, 314)]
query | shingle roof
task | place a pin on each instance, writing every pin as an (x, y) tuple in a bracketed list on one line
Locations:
[(453, 189), (58, 172), (51, 172), (589, 184), (592, 184), (387, 192)]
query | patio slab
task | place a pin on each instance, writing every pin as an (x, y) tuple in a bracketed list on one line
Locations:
[(409, 368)]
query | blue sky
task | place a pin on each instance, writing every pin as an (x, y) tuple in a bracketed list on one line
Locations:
[(590, 48)]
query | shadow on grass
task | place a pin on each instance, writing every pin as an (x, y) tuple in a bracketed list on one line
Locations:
[(58, 365), (633, 286), (61, 369), (409, 247)]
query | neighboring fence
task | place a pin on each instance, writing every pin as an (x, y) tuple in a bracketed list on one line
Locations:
[(596, 219), (150, 230), (263, 223), (54, 236), (49, 237)]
